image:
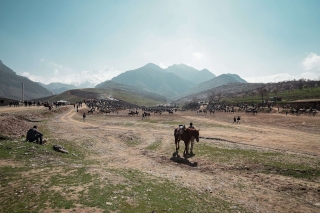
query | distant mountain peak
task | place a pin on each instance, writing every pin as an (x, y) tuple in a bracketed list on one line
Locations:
[(204, 70), (184, 65), (151, 65), (179, 65)]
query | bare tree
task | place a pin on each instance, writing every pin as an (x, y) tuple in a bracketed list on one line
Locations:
[(275, 89), (300, 84), (219, 96), (212, 96), (263, 91)]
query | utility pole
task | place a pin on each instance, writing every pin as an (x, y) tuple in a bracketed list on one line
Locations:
[(22, 92)]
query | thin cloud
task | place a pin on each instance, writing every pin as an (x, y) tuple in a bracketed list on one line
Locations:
[(56, 72), (34, 77), (55, 65), (90, 77), (198, 55), (312, 61), (163, 66), (282, 77)]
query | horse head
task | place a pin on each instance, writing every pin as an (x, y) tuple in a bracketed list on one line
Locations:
[(194, 133), (197, 135)]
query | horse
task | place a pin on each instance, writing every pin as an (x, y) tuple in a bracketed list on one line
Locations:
[(186, 136), (146, 114), (133, 113), (47, 105), (157, 112)]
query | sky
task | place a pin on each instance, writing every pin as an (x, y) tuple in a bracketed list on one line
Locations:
[(261, 41)]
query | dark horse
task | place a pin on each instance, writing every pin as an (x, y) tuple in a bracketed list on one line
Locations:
[(186, 136)]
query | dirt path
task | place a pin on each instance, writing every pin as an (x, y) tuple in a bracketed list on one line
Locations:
[(255, 192), (8, 109)]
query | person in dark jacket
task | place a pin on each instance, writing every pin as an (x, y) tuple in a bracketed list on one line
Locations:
[(34, 134), (238, 119)]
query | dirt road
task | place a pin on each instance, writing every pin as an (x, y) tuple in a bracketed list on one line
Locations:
[(7, 109), (257, 192)]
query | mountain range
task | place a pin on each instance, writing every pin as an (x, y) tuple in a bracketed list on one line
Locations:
[(11, 86), (111, 85), (175, 81), (214, 82), (150, 80), (155, 79), (191, 74), (57, 88)]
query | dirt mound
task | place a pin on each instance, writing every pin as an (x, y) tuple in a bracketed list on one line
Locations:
[(13, 126)]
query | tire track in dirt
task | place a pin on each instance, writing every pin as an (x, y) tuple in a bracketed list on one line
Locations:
[(237, 188), (293, 142), (267, 146)]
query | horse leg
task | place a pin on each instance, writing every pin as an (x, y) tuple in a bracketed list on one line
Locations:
[(186, 149), (192, 144), (191, 148), (177, 145)]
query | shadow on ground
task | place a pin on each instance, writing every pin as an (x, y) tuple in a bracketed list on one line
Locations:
[(176, 158)]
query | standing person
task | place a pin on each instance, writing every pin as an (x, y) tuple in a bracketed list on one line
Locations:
[(238, 119), (84, 116), (191, 139), (234, 119), (34, 134)]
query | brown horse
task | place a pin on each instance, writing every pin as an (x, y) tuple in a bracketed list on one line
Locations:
[(186, 136)]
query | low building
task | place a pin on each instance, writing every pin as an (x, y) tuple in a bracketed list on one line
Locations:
[(62, 102), (5, 101), (275, 99), (306, 103)]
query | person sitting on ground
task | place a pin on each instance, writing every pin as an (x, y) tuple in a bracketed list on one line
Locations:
[(34, 134)]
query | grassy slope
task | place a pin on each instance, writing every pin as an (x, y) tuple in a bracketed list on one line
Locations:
[(286, 96), (92, 93)]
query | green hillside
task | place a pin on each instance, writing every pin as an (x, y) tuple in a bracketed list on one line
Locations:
[(11, 85), (287, 96), (213, 83), (94, 93)]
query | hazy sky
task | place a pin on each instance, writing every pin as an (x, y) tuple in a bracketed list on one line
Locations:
[(55, 38)]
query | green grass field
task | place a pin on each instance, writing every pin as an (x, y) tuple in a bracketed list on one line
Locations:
[(45, 179), (305, 93)]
